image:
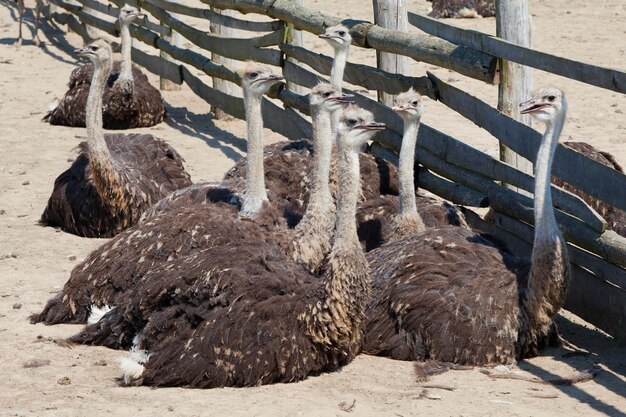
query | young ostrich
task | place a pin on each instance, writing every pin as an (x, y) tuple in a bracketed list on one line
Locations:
[(615, 217), (130, 101), (391, 217), (116, 177), (20, 11), (198, 218), (246, 315), (450, 295)]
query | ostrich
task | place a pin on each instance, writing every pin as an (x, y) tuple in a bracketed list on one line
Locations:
[(615, 217), (339, 38), (198, 217), (20, 11), (246, 315), (450, 295), (116, 177), (390, 217), (129, 99), (463, 8)]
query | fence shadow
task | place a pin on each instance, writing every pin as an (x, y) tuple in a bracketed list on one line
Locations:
[(594, 348), (201, 126)]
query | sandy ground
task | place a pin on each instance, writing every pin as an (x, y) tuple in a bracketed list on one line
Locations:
[(35, 262)]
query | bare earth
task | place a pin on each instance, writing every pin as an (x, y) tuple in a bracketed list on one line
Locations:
[(35, 262)]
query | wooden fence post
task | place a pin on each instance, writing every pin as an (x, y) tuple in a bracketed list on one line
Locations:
[(391, 14), (513, 25), (219, 84), (175, 39), (297, 39)]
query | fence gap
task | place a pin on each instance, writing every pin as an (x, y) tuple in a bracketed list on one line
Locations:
[(513, 25), (391, 14)]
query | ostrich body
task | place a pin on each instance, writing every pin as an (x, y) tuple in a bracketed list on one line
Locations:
[(615, 217), (451, 295), (116, 177), (20, 12), (246, 315), (130, 101), (392, 217), (196, 218)]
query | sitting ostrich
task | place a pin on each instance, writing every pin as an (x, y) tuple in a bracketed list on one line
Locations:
[(203, 216), (246, 315), (450, 295), (116, 177), (615, 217), (20, 11), (377, 175), (391, 217), (130, 101)]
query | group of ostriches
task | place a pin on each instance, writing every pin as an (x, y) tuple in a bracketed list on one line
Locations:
[(305, 255)]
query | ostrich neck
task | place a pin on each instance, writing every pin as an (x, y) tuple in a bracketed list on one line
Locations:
[(406, 170), (322, 144), (126, 70), (255, 192), (549, 275), (334, 317), (339, 66), (95, 133)]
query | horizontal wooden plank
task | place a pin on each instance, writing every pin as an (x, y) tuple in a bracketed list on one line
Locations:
[(362, 75), (110, 10), (599, 180), (611, 79), (419, 47), (590, 297)]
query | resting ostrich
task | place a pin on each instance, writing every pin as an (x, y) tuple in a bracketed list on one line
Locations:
[(463, 8), (391, 217), (189, 220), (20, 11), (615, 217), (129, 99), (450, 295), (116, 177), (246, 315), (377, 175)]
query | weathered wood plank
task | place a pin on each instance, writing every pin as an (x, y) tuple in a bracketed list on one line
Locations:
[(390, 14), (363, 75), (224, 85), (611, 79), (419, 47), (112, 11), (513, 25), (525, 141)]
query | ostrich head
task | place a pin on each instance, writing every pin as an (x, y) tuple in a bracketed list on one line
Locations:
[(545, 105), (408, 105), (337, 36), (356, 126), (329, 98), (258, 78), (128, 14), (98, 52)]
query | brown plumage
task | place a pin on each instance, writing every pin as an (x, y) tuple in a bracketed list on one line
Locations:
[(129, 100), (463, 8), (246, 315), (115, 177), (615, 217), (451, 295)]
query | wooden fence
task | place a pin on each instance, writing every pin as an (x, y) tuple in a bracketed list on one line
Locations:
[(449, 168)]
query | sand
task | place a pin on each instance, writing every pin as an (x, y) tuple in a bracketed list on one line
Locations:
[(35, 262)]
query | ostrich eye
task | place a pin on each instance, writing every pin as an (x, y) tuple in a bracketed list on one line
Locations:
[(93, 48), (352, 122), (326, 94), (253, 75), (414, 102), (342, 33), (551, 98)]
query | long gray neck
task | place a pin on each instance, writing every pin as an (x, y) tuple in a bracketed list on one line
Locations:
[(545, 222), (322, 144), (126, 70), (406, 169), (349, 178), (255, 193), (95, 133), (550, 270), (339, 66)]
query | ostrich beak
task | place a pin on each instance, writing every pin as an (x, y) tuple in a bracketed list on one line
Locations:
[(531, 106), (372, 126)]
